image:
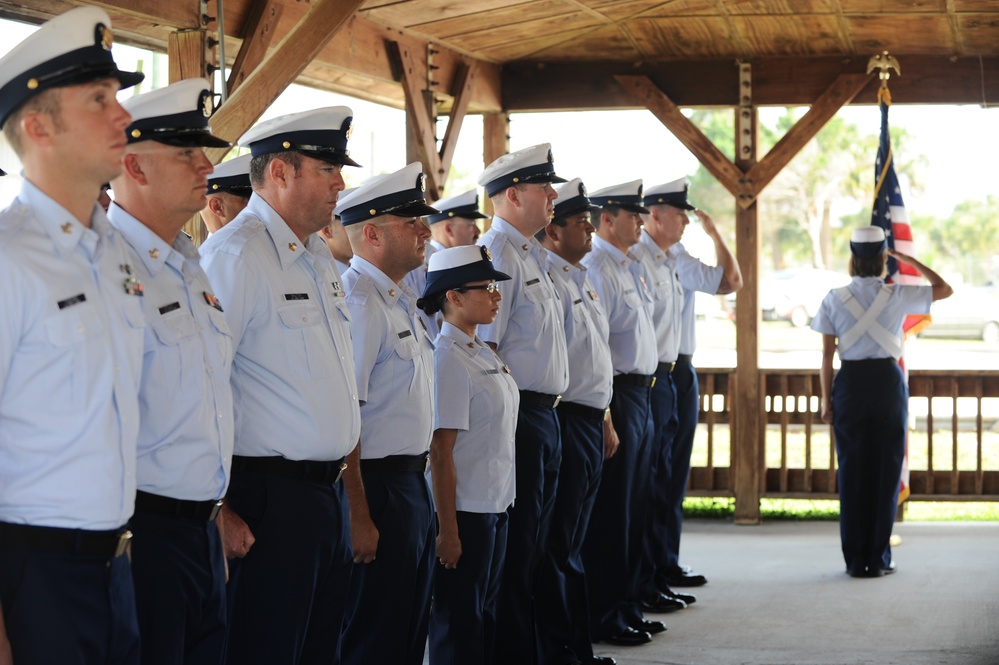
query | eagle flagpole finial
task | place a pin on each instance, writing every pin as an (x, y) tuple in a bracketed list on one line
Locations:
[(884, 62)]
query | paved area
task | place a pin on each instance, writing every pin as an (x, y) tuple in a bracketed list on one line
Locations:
[(777, 594)]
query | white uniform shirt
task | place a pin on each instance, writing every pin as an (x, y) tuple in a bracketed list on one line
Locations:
[(528, 330), (833, 318), (667, 296), (293, 386), (620, 281), (70, 366), (394, 358), (477, 396), (591, 371), (694, 276), (185, 403)]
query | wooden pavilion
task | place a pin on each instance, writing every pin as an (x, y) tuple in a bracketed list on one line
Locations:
[(492, 57)]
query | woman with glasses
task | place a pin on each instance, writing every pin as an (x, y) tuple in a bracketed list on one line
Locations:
[(471, 455)]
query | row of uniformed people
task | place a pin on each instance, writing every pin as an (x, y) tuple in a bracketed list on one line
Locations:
[(286, 515)]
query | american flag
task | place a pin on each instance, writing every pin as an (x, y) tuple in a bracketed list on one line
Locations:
[(888, 212)]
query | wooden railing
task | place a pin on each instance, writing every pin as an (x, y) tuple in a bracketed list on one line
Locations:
[(953, 437)]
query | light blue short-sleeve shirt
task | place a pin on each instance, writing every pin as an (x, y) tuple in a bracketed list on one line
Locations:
[(71, 330), (591, 370), (394, 360), (620, 283), (185, 402), (293, 384), (695, 275), (477, 396), (528, 331), (667, 296), (833, 318)]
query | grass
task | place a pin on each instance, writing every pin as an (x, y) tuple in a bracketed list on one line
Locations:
[(821, 509)]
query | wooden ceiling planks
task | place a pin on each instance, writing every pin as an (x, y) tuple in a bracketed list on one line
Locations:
[(694, 38), (807, 34)]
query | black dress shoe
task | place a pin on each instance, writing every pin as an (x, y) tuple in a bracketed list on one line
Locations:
[(684, 597), (629, 637), (683, 576), (856, 570), (650, 627), (661, 604), (878, 571)]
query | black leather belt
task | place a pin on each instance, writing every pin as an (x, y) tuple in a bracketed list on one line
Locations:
[(581, 411), (396, 464), (665, 368), (74, 542), (313, 471), (539, 399), (869, 361), (684, 358), (202, 511), (640, 380)]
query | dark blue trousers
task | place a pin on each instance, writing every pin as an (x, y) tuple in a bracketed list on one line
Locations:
[(870, 407), (287, 596), (563, 610), (388, 608), (539, 454), (687, 400), (612, 549), (463, 617), (662, 507), (67, 609), (179, 572)]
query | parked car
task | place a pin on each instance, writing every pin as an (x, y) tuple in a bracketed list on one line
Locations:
[(971, 313), (794, 294)]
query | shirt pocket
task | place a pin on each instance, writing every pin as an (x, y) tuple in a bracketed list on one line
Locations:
[(175, 360), (308, 344), (222, 335), (408, 349), (74, 339), (542, 302)]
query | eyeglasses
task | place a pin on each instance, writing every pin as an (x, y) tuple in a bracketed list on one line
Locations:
[(490, 288)]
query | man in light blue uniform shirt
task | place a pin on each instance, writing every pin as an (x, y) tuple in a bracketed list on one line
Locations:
[(667, 295), (286, 521), (529, 337), (228, 192), (617, 528), (391, 509), (185, 403), (587, 434), (71, 329), (695, 275)]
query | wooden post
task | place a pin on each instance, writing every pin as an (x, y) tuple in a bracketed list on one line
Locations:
[(749, 428), (190, 57), (495, 144)]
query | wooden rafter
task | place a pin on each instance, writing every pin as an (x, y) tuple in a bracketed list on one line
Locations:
[(746, 185), (258, 32), (436, 164), (280, 68)]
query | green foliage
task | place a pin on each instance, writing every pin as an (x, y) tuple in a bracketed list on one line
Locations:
[(824, 509)]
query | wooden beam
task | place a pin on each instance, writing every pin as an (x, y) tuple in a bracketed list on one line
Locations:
[(644, 92), (282, 66), (189, 55), (836, 96), (422, 125), (258, 32), (557, 86), (495, 144), (464, 84)]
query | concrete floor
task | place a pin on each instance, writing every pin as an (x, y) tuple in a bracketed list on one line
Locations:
[(777, 593)]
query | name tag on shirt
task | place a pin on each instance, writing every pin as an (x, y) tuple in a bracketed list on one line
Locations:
[(532, 282), (577, 301), (405, 333), (492, 371), (296, 296), (165, 309), (75, 300)]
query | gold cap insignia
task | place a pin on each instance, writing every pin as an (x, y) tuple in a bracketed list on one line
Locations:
[(136, 133), (349, 132), (207, 103), (422, 180), (286, 145), (486, 254), (103, 36), (32, 84)]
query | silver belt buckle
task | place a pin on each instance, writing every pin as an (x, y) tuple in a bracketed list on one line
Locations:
[(216, 509), (343, 467), (558, 398)]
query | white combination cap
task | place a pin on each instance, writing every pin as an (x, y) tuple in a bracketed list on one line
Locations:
[(627, 196), (320, 133), (402, 194), (175, 115), (534, 164)]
